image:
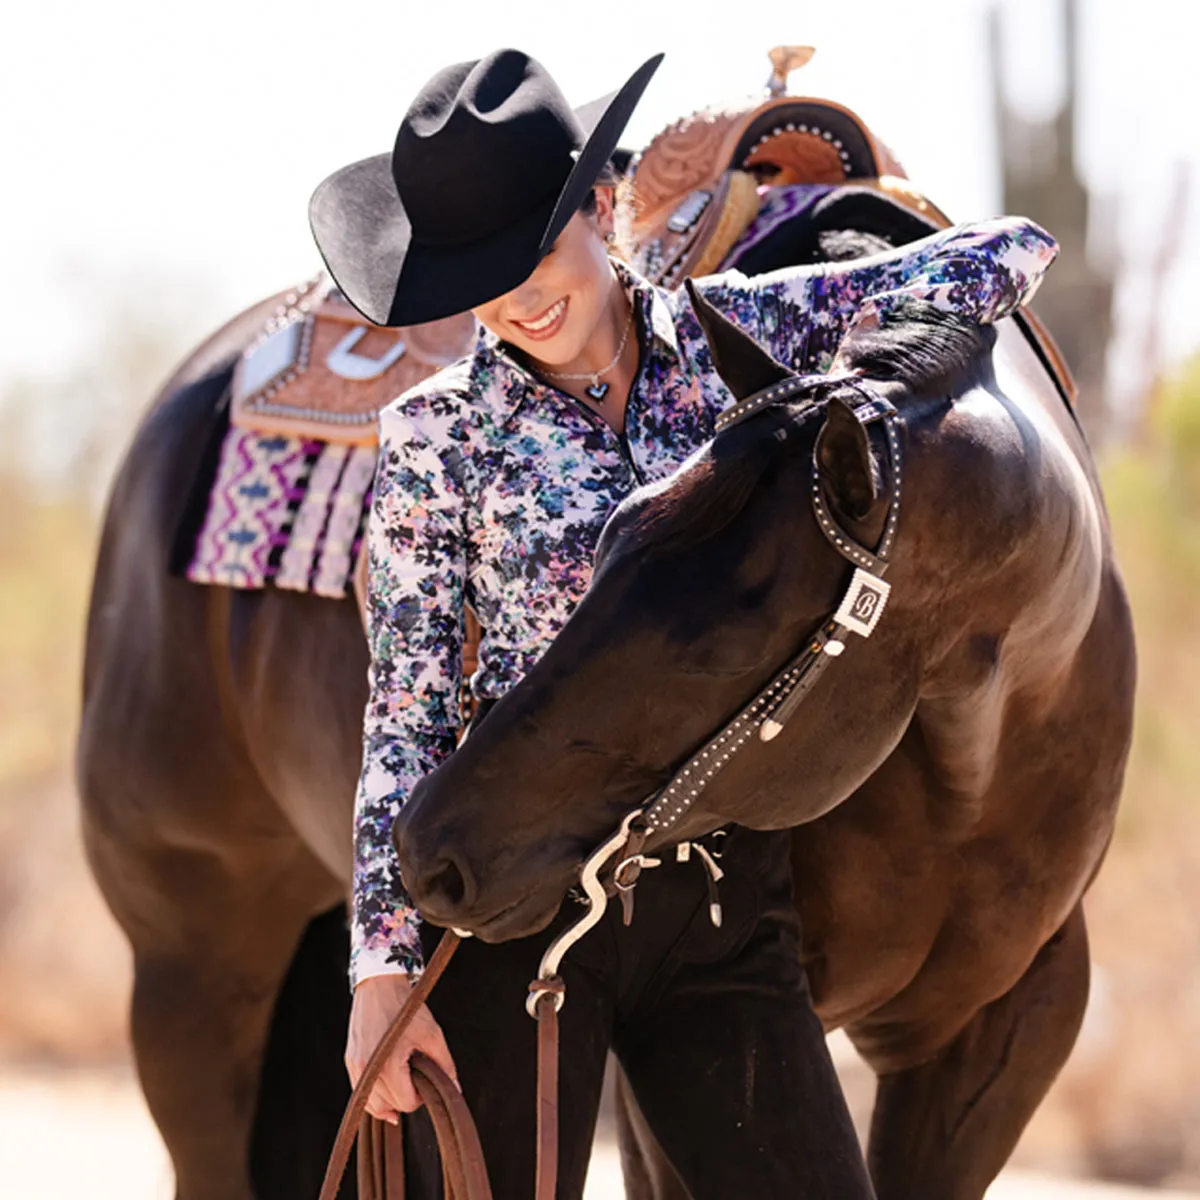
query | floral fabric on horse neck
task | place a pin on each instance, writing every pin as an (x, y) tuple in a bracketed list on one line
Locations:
[(493, 486)]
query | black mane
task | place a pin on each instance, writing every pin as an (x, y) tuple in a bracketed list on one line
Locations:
[(920, 346)]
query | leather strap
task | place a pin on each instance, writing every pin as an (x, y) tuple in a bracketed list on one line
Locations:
[(463, 1169), (380, 1145), (380, 1160), (339, 1156), (546, 1006)]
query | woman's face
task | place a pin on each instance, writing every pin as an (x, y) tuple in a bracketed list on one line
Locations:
[(553, 314)]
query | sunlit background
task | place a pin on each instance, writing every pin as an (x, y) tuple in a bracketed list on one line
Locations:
[(156, 161)]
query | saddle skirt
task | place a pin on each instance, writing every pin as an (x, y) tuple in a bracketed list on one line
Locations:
[(321, 370)]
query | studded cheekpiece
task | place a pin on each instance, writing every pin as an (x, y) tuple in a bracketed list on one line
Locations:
[(859, 612)]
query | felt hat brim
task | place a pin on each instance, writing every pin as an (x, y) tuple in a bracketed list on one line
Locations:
[(366, 238)]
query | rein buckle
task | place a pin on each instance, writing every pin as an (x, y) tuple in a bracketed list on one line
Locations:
[(636, 863), (625, 882)]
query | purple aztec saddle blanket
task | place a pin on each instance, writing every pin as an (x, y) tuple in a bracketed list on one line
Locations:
[(286, 511)]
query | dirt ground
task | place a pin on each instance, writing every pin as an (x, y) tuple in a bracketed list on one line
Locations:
[(67, 1134)]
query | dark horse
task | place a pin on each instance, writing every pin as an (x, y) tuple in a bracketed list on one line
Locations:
[(952, 779), (975, 748)]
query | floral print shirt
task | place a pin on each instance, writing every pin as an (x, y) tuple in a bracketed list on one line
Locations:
[(493, 486)]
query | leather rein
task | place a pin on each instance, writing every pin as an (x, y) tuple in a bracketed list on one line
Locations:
[(858, 613)]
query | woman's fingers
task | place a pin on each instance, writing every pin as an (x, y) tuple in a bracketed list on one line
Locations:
[(376, 1002), (397, 1084), (392, 1095), (437, 1049), (393, 1091)]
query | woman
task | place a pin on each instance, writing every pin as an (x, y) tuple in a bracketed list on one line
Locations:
[(495, 478)]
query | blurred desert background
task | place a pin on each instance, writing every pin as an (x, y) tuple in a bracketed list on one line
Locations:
[(158, 169)]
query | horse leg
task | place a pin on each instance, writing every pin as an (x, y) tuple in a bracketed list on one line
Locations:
[(212, 945), (303, 1087), (942, 1130)]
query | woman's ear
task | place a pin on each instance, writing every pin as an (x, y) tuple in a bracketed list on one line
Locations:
[(606, 210), (845, 463)]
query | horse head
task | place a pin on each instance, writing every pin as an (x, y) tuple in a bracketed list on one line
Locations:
[(705, 585)]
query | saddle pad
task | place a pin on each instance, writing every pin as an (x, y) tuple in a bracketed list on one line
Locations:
[(321, 370), (288, 511)]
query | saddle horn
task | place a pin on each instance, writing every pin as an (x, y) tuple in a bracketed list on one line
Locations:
[(741, 362)]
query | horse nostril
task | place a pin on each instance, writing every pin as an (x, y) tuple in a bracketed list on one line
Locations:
[(444, 887)]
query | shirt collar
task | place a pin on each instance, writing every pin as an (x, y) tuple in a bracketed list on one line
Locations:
[(657, 320), (511, 382)]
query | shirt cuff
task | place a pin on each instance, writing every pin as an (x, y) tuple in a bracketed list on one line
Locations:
[(367, 962)]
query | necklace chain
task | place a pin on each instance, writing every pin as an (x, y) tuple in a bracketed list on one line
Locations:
[(594, 376)]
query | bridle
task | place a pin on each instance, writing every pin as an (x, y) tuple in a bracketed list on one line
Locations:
[(858, 613)]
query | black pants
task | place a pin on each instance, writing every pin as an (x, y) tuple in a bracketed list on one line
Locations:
[(714, 1028)]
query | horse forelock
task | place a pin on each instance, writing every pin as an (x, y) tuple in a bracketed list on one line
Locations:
[(708, 493)]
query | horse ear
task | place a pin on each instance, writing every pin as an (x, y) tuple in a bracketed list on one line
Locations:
[(744, 365), (845, 462)]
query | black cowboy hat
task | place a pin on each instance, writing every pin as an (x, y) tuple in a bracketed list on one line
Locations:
[(489, 166)]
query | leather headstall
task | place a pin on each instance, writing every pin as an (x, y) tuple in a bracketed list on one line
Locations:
[(859, 612)]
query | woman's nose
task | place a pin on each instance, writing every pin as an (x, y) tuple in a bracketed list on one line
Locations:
[(527, 301)]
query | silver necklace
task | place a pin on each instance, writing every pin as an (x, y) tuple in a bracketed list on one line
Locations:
[(597, 390)]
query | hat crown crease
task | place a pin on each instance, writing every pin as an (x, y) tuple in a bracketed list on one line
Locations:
[(501, 124)]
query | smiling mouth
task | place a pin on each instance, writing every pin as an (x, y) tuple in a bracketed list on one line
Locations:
[(547, 323)]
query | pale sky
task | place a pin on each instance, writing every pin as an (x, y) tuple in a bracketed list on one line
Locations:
[(172, 147)]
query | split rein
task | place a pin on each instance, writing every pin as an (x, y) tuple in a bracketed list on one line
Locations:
[(861, 607)]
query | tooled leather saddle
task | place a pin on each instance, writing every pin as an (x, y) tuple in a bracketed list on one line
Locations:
[(699, 185), (704, 181)]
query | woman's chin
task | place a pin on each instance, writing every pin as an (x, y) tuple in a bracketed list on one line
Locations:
[(557, 356)]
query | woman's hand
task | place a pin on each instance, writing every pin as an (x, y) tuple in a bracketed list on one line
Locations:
[(377, 1000)]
